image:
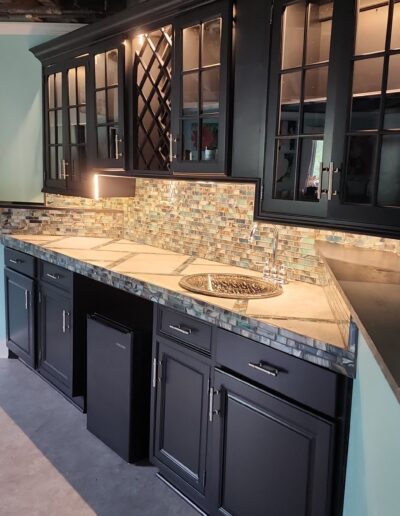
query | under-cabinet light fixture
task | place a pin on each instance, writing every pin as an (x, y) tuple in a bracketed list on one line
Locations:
[(107, 185)]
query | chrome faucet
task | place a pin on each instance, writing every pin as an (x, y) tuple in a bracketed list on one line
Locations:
[(271, 270)]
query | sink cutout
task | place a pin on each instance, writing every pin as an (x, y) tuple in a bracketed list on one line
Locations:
[(235, 286)]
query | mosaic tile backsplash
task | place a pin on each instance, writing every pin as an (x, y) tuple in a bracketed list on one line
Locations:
[(205, 219)]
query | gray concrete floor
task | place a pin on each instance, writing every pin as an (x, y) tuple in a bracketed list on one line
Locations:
[(51, 465)]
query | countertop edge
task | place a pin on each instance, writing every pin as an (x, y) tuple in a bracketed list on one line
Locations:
[(319, 353)]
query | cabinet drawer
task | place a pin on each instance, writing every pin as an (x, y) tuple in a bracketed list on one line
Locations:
[(20, 262), (301, 381), (56, 275), (185, 328)]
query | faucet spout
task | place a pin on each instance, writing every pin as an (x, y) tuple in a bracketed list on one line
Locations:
[(275, 243)]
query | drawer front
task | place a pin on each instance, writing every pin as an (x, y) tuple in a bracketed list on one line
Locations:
[(184, 328), (289, 376), (56, 275), (20, 262)]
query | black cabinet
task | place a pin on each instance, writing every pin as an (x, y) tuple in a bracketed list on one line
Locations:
[(56, 337), (20, 315), (181, 382), (269, 457), (332, 131), (66, 124)]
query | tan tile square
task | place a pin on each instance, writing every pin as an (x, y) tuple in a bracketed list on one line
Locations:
[(151, 264), (79, 243), (131, 247), (98, 254)]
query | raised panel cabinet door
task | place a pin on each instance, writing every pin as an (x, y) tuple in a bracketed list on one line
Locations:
[(56, 337), (180, 429), (20, 321), (270, 458)]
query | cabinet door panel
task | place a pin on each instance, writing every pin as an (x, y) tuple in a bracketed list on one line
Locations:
[(56, 337), (20, 324), (181, 414), (269, 456)]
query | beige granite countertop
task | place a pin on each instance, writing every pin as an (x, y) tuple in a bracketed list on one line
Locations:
[(302, 308)]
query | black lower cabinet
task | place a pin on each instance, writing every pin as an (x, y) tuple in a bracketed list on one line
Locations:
[(56, 337), (20, 315), (181, 380), (270, 458)]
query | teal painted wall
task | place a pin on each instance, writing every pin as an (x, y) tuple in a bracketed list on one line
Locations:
[(373, 471)]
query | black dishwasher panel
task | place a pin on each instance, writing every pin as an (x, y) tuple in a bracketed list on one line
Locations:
[(118, 386)]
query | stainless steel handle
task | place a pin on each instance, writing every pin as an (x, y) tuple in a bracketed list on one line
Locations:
[(319, 191), (64, 164), (26, 299), (154, 379), (332, 170), (264, 368), (210, 404), (117, 141), (65, 314), (11, 260), (53, 276), (172, 140), (181, 329)]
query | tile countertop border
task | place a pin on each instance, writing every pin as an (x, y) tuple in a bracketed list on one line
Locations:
[(312, 350)]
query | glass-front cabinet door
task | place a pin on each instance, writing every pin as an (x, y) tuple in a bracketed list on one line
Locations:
[(200, 96), (298, 147), (65, 125), (109, 104), (368, 186)]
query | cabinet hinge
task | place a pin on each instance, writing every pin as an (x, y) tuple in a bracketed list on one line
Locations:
[(271, 13)]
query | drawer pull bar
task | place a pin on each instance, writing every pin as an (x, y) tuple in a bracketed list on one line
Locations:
[(264, 368), (54, 276), (154, 380), (11, 260), (181, 329), (26, 299)]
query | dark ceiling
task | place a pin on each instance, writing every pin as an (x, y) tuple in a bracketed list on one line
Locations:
[(62, 11)]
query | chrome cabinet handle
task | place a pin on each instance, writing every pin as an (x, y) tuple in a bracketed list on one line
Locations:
[(154, 379), (117, 141), (172, 140), (331, 171), (65, 326), (17, 261), (54, 276), (181, 329), (264, 368), (63, 167), (211, 393), (26, 299)]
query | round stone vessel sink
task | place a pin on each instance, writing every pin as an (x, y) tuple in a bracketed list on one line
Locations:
[(235, 286)]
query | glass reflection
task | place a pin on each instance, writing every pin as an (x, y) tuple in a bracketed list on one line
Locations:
[(285, 172), (389, 176)]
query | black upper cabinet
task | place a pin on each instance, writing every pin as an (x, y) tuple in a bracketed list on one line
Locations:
[(333, 131), (200, 90), (107, 83), (66, 124)]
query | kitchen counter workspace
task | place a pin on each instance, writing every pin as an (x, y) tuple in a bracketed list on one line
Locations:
[(300, 322), (370, 285)]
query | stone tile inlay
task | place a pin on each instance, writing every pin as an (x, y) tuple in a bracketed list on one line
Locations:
[(279, 327)]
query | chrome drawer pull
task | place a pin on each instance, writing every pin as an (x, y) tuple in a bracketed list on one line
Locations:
[(11, 260), (264, 368), (26, 299), (181, 329), (54, 276)]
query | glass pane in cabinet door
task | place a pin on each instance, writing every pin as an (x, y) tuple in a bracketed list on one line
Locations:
[(52, 127), (290, 103), (315, 91), (112, 67), (190, 137), (310, 166), (100, 70), (395, 41), (209, 139), (50, 90), (101, 106), (82, 124), (285, 172), (211, 43), (319, 31), (73, 125), (190, 47), (59, 126), (367, 84), (190, 93), (372, 21), (102, 142), (210, 90), (293, 19), (53, 162), (389, 173), (81, 79), (72, 87), (58, 85), (392, 104), (60, 163), (360, 167), (112, 105)]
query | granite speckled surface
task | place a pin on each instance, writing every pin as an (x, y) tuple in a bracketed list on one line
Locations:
[(301, 322)]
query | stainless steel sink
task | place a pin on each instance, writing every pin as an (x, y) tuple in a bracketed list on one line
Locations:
[(235, 286)]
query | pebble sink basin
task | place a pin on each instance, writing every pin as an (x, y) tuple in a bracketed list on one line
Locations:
[(235, 286)]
